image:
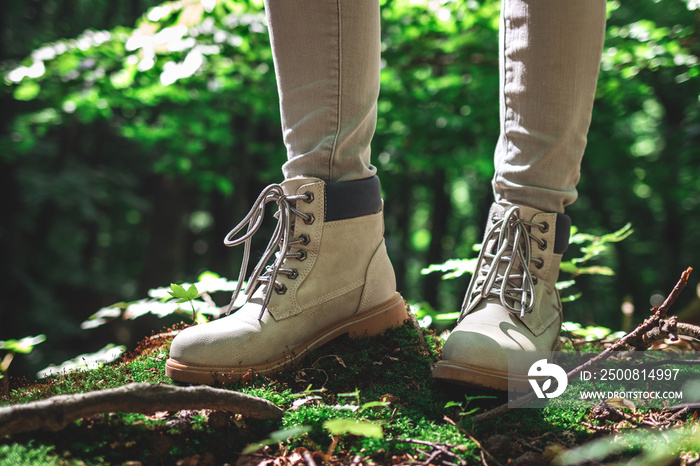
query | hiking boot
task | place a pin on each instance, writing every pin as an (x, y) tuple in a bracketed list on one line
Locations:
[(330, 275), (512, 304)]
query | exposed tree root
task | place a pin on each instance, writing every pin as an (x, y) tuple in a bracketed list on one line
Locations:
[(56, 412)]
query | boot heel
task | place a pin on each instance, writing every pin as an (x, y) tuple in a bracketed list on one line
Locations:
[(391, 314)]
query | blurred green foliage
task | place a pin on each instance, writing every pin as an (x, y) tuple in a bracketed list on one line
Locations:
[(9, 349), (127, 152)]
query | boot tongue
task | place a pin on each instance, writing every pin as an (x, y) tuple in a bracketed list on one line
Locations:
[(498, 212), (292, 185), (526, 213)]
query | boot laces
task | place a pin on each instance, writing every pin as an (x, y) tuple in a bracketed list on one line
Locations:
[(281, 240), (503, 267)]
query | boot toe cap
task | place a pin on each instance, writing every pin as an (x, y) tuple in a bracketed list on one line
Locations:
[(486, 339), (214, 344)]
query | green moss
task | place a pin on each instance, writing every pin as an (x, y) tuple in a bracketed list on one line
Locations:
[(334, 382), (15, 454)]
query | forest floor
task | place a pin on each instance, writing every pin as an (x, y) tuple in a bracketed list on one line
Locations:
[(363, 401)]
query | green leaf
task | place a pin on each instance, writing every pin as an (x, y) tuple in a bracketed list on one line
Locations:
[(23, 346), (374, 404), (286, 434), (350, 426), (590, 333), (447, 316), (208, 275), (192, 292), (571, 326), (27, 91), (471, 411), (564, 284), (178, 291), (571, 298), (85, 362), (452, 268), (568, 267), (355, 394)]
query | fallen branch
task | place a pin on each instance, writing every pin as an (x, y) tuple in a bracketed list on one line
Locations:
[(672, 329), (56, 412), (639, 338)]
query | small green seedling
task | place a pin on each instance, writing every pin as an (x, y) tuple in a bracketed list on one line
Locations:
[(468, 399), (183, 295)]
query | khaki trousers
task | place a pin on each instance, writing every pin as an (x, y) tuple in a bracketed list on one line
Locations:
[(327, 62)]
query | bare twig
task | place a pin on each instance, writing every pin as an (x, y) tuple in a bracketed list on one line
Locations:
[(677, 415), (483, 458), (333, 445), (671, 328), (308, 459), (637, 339), (56, 412)]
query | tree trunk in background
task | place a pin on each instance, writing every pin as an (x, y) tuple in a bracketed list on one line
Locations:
[(3, 41), (399, 236), (441, 210), (136, 10), (672, 247), (222, 213), (10, 240), (165, 256)]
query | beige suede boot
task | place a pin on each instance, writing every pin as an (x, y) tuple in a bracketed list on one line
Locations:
[(512, 305), (331, 276)]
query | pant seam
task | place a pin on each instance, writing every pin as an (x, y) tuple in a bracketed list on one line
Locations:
[(504, 71), (336, 137)]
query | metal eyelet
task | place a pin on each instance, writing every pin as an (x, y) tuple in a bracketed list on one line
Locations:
[(281, 289), (544, 227), (308, 197), (301, 255), (534, 280), (543, 245), (304, 239), (293, 274), (539, 262), (309, 219)]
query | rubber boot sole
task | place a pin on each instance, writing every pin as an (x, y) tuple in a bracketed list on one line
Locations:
[(474, 376), (391, 314)]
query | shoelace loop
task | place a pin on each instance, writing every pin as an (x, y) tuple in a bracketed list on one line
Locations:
[(514, 285), (281, 239)]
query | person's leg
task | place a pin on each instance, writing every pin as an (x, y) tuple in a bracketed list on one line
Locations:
[(550, 56), (325, 271), (327, 60)]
